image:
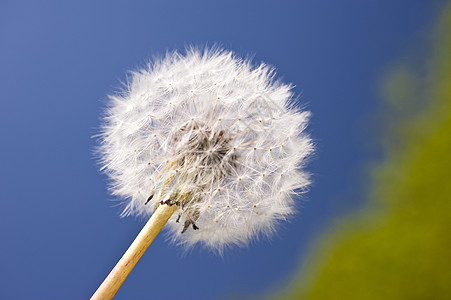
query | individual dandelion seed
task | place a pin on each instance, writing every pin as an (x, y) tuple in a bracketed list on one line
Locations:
[(209, 140)]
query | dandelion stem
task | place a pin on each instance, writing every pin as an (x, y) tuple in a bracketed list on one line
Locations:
[(117, 276)]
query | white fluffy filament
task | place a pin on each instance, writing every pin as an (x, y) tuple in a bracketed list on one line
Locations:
[(213, 134)]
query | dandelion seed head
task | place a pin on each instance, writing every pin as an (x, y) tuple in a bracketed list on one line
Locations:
[(213, 134)]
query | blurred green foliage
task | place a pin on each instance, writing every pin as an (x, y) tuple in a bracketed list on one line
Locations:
[(400, 247)]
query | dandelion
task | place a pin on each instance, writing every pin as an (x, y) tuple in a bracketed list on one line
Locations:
[(213, 139)]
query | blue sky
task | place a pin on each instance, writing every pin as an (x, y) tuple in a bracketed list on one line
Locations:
[(60, 234)]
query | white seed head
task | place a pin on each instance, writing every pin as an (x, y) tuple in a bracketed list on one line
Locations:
[(213, 134)]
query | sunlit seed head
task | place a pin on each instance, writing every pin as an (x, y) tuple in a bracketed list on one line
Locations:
[(186, 129)]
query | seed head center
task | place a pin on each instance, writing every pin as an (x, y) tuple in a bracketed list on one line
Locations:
[(207, 149)]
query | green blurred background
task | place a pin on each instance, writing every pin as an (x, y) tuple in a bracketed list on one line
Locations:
[(399, 246)]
